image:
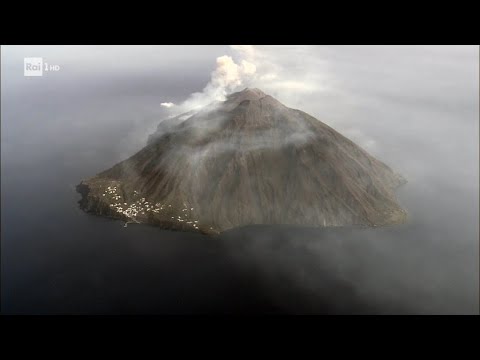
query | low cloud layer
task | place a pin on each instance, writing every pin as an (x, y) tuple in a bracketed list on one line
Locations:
[(413, 107)]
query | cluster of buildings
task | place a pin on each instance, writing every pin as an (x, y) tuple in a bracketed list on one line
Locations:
[(143, 207)]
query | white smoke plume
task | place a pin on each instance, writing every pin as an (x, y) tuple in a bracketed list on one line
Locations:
[(267, 68), (256, 66), (226, 78)]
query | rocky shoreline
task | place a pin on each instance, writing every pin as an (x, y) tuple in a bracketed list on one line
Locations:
[(95, 200)]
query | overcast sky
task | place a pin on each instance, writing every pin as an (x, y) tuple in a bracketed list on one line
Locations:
[(422, 95)]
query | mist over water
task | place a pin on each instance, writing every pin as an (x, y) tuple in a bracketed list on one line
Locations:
[(415, 108)]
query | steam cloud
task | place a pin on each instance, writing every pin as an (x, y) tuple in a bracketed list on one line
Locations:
[(250, 66), (227, 77)]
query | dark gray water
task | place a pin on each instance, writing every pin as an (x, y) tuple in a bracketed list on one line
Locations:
[(58, 260)]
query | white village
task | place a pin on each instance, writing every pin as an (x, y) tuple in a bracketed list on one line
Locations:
[(143, 207)]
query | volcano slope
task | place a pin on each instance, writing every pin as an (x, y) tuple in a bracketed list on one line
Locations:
[(247, 160)]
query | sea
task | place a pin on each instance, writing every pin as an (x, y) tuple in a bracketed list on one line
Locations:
[(57, 259)]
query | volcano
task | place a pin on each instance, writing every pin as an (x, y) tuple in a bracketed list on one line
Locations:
[(243, 161)]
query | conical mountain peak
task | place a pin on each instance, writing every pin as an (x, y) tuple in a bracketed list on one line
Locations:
[(250, 93), (247, 160), (246, 94), (254, 95)]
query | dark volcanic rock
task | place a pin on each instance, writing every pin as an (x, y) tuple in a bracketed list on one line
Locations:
[(247, 160)]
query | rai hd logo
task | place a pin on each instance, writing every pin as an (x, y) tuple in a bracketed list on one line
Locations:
[(35, 66)]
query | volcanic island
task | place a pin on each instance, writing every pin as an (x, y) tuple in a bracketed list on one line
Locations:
[(247, 160)]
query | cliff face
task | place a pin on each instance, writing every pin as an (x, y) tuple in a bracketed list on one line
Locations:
[(248, 160)]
